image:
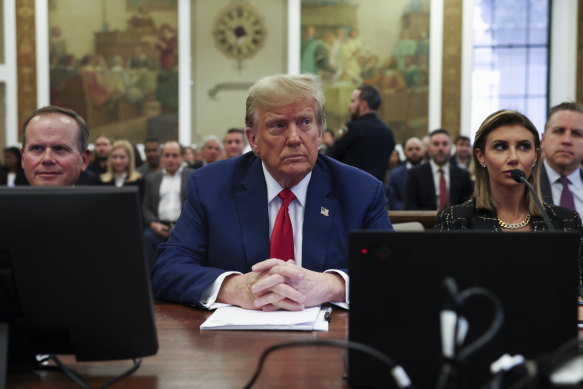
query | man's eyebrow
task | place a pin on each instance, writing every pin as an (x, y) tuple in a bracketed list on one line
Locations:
[(274, 116), (306, 112)]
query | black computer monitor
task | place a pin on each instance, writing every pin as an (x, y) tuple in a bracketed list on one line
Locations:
[(397, 294), (74, 278)]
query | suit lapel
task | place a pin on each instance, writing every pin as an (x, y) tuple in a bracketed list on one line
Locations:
[(430, 186), (318, 216), (545, 185), (251, 203), (157, 182), (183, 181), (454, 185)]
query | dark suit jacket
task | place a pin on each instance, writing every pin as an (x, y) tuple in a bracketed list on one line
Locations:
[(467, 217), (396, 187), (420, 188), (224, 223), (139, 183), (88, 177), (367, 145), (152, 194), (19, 180), (545, 185)]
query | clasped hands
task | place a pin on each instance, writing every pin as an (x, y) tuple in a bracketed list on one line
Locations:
[(161, 229), (276, 284)]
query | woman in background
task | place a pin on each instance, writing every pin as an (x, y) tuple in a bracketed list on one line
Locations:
[(121, 166), (507, 140), (11, 172)]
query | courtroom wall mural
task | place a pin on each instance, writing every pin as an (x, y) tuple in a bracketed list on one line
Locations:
[(372, 42), (116, 64)]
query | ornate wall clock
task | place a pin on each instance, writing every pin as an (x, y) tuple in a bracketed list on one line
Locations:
[(239, 31)]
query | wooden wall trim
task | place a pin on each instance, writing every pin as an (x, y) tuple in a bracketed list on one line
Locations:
[(579, 75), (26, 59), (451, 81)]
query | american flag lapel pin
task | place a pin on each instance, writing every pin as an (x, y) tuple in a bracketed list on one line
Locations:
[(324, 211)]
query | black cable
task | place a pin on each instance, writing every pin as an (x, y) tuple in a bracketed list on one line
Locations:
[(450, 375), (72, 374), (327, 343), (452, 303), (78, 378), (136, 366), (548, 364), (465, 352)]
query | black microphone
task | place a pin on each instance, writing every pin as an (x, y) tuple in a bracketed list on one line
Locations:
[(519, 176)]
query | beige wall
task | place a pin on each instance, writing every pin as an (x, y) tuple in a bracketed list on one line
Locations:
[(211, 67)]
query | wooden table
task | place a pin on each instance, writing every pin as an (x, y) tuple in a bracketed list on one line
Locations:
[(427, 218), (191, 358)]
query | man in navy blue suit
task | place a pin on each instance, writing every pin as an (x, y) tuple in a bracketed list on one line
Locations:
[(413, 149), (367, 143), (219, 250)]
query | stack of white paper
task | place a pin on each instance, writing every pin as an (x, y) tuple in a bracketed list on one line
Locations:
[(236, 318)]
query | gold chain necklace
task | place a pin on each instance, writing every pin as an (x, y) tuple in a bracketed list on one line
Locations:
[(515, 226)]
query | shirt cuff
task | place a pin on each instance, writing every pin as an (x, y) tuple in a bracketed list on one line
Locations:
[(209, 296), (345, 305)]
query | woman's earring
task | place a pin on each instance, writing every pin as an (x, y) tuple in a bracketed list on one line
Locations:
[(533, 164), (483, 165)]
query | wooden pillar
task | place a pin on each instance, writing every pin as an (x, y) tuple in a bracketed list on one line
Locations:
[(26, 59), (579, 75), (451, 82)]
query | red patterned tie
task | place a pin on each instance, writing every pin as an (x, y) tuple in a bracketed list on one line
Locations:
[(282, 236), (443, 200)]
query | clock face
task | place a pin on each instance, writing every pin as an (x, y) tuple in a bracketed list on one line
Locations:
[(239, 31)]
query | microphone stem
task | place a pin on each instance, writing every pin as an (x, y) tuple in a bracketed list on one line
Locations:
[(538, 203)]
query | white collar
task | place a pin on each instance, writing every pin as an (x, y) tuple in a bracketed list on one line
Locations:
[(165, 173), (435, 168), (574, 178), (273, 188)]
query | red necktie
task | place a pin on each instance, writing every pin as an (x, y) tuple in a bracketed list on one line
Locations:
[(282, 236), (442, 190)]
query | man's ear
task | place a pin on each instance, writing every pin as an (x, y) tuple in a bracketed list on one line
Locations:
[(252, 139), (85, 156), (364, 108)]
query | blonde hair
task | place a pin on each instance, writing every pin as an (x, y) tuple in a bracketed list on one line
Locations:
[(482, 191), (133, 175), (283, 89)]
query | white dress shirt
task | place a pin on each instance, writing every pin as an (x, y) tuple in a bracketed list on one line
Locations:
[(575, 186), (10, 179), (296, 213), (170, 203), (119, 180)]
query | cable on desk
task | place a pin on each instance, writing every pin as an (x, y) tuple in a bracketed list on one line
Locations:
[(397, 372), (451, 375), (76, 377), (72, 374), (546, 365)]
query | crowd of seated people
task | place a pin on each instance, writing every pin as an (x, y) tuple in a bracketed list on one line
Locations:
[(430, 179)]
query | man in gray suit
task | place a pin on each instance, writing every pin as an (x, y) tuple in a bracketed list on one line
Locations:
[(163, 198), (561, 177)]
